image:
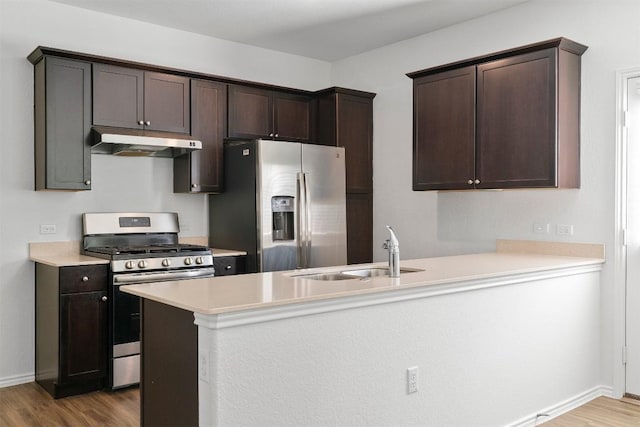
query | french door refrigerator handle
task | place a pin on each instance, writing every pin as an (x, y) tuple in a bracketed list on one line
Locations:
[(307, 221), (299, 220)]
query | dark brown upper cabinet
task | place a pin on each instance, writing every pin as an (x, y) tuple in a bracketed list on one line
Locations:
[(345, 119), (506, 120), (201, 171), (137, 99), (261, 113), (62, 124)]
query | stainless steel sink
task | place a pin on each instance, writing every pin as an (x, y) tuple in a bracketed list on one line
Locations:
[(360, 273), (325, 276), (376, 271)]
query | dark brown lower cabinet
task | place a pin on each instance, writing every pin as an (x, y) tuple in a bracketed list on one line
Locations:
[(169, 358), (228, 265), (71, 328), (169, 367)]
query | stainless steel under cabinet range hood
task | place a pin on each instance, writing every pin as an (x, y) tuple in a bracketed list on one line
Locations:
[(140, 143)]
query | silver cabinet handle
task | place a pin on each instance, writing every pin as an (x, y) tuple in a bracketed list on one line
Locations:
[(85, 279), (227, 267), (148, 123), (141, 122), (104, 298), (477, 181), (194, 185), (470, 182), (276, 135), (271, 135), (87, 182)]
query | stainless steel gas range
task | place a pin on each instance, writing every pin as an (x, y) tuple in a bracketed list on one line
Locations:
[(142, 247)]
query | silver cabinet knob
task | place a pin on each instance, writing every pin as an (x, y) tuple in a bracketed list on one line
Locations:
[(87, 182), (271, 135), (194, 185), (148, 123), (85, 279), (276, 135), (104, 298), (141, 122), (477, 181), (227, 267), (470, 182)]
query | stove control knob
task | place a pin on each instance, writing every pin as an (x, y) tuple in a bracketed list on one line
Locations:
[(142, 264), (188, 261), (166, 262), (199, 260), (128, 265)]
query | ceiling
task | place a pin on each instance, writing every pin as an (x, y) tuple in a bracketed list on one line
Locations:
[(323, 29)]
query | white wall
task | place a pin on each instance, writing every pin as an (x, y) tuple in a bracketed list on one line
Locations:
[(119, 184), (486, 357), (439, 223)]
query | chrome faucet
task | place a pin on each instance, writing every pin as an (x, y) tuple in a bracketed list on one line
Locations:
[(393, 247)]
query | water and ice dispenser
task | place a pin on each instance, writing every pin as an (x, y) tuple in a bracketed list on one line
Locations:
[(282, 211)]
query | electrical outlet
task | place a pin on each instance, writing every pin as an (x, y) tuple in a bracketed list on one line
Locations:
[(540, 228), (412, 379), (203, 368), (564, 230), (48, 229)]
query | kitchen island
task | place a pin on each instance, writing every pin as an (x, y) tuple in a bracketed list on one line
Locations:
[(496, 337)]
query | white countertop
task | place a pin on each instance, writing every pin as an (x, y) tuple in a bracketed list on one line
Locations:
[(226, 294)]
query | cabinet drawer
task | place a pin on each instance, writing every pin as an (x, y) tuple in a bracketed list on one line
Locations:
[(83, 279), (228, 265)]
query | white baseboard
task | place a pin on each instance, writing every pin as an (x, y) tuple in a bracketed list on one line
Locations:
[(562, 407), (16, 380)]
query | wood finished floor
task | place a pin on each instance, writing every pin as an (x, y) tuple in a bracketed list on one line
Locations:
[(29, 405)]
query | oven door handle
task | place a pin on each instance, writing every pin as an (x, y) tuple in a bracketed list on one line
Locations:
[(163, 276)]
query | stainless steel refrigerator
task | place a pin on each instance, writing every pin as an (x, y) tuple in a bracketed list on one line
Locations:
[(283, 203)]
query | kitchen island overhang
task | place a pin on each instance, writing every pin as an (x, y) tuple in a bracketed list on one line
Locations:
[(518, 332)]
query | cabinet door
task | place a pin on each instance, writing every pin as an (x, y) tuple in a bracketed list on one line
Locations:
[(201, 171), (62, 125), (229, 265), (166, 102), (444, 130), (292, 117), (516, 145), (359, 228), (355, 134), (83, 323), (250, 113), (118, 96)]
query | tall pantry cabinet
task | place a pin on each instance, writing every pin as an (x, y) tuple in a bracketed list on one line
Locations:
[(345, 119)]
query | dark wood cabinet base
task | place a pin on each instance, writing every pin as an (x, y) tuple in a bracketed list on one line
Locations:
[(169, 366), (59, 391)]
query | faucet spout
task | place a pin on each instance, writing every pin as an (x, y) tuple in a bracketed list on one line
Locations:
[(393, 247)]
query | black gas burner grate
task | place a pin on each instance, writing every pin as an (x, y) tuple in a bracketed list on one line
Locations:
[(151, 249)]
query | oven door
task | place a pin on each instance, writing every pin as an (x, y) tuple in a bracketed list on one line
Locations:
[(124, 349), (125, 322)]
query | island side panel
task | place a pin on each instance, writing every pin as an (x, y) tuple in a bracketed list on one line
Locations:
[(490, 356), (169, 366)]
